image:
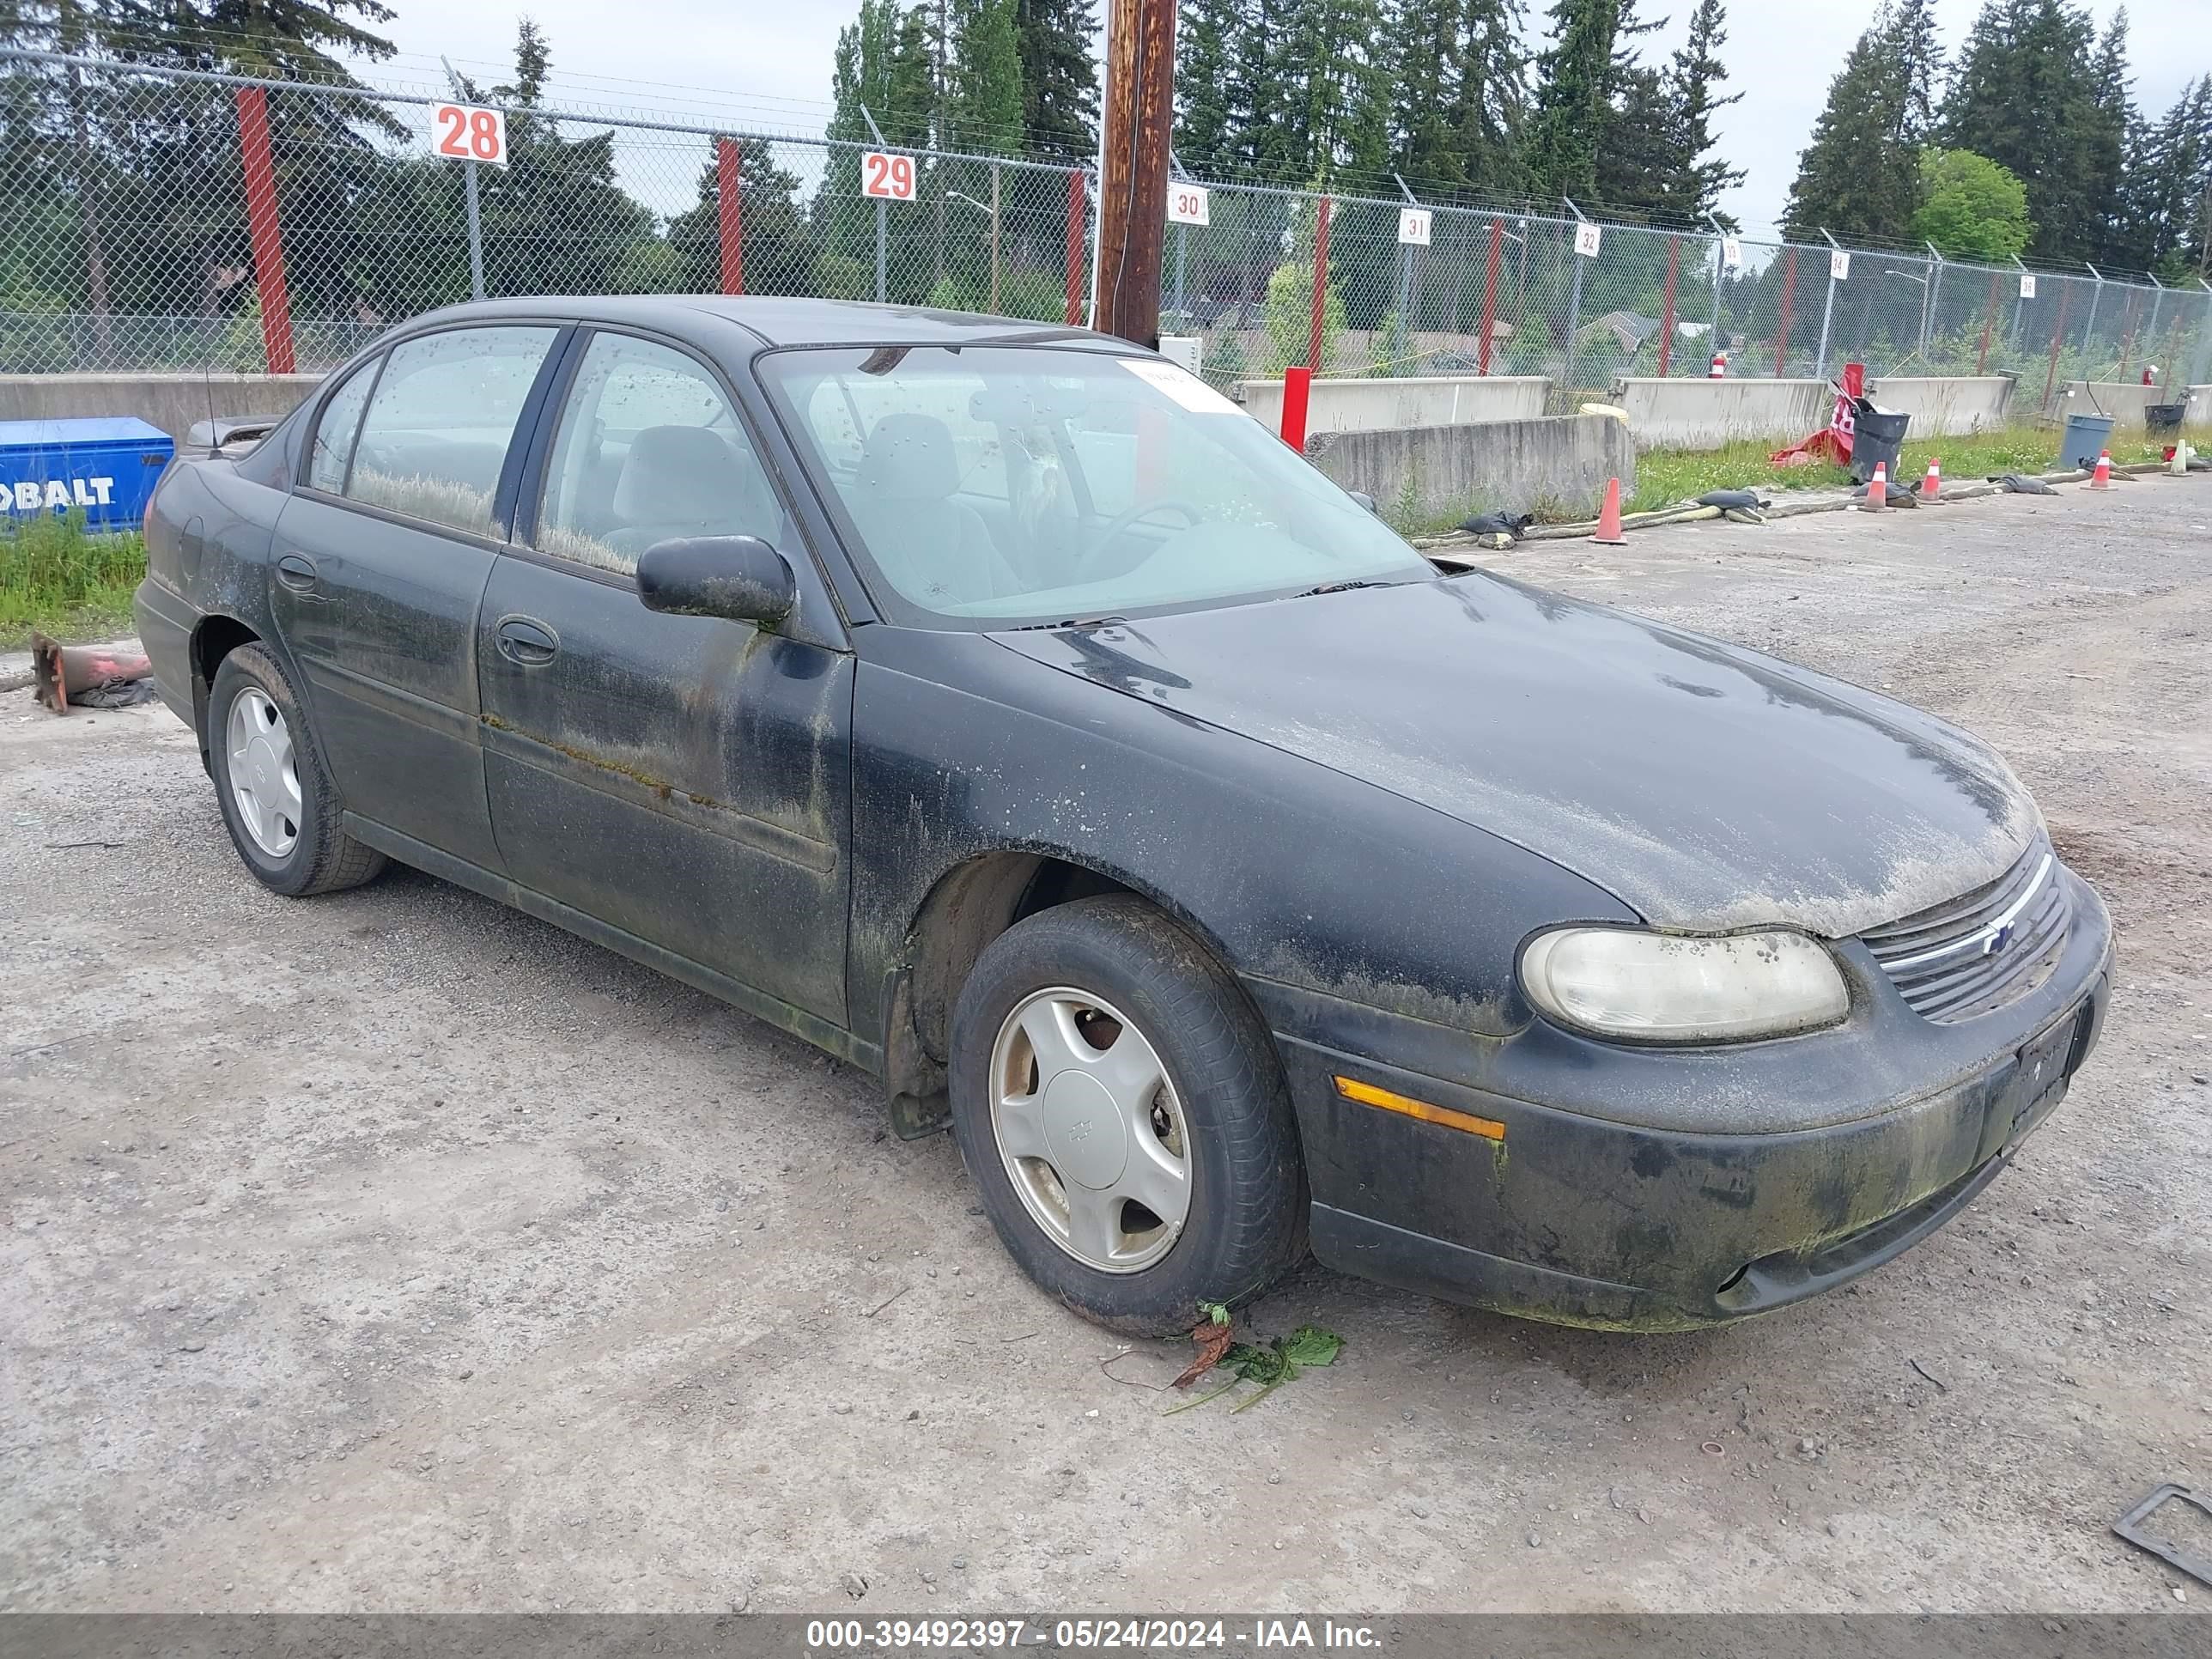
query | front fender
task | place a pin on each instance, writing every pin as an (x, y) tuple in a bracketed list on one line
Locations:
[(1294, 873)]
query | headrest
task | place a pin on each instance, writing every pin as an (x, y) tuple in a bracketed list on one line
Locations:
[(909, 458), (679, 475)]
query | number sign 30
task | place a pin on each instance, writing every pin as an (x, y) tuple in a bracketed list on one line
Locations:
[(462, 132)]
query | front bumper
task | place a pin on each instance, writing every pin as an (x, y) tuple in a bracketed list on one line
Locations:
[(1583, 1220)]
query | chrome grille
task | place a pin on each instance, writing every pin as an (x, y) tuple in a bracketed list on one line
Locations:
[(1973, 954)]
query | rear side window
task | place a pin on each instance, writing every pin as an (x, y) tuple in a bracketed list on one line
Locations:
[(435, 436), (335, 432)]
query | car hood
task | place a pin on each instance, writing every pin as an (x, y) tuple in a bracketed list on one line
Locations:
[(1708, 786)]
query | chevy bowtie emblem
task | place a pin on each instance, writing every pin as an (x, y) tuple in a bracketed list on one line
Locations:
[(1997, 941)]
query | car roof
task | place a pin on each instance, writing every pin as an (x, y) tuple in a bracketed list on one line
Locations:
[(778, 321)]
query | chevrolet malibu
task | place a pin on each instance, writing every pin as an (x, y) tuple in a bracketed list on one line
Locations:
[(1005, 711)]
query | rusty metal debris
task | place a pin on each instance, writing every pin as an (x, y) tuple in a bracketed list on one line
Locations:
[(95, 675)]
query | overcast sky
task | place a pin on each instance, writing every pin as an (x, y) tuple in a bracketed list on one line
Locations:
[(768, 61)]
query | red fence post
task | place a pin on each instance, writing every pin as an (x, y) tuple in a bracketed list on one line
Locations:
[(2057, 337), (1074, 249), (261, 228), (1320, 290), (1490, 296), (731, 208), (1298, 388), (1989, 322), (1789, 293), (1667, 319)]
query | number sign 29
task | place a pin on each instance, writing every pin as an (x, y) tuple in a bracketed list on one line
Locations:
[(462, 132), (888, 176)]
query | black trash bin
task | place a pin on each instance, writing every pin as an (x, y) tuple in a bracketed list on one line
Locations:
[(2165, 417), (1876, 436)]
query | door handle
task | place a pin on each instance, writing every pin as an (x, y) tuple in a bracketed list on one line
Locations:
[(298, 574), (526, 643)]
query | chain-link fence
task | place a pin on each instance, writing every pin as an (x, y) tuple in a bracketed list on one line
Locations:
[(160, 219)]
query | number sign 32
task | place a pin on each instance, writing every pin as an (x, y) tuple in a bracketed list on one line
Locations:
[(462, 132), (887, 176)]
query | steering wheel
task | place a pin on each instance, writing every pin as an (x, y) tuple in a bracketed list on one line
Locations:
[(1145, 510)]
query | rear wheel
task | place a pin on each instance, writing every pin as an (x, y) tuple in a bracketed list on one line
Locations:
[(1122, 1109), (276, 800)]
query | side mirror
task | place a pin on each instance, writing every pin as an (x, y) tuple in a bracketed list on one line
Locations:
[(1363, 498), (740, 578)]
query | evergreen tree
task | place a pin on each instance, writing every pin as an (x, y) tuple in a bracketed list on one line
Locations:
[(2168, 188), (1459, 91), (2029, 95), (986, 95), (1575, 77), (1211, 121), (1636, 151), (781, 249), (1490, 105), (1059, 80), (1856, 179), (1693, 80), (1913, 34)]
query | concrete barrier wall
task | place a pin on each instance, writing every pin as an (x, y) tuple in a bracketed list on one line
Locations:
[(1370, 405), (172, 402), (1428, 477), (1688, 413), (2120, 399), (2200, 406), (1945, 406)]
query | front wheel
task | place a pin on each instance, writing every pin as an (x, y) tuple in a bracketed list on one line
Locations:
[(277, 802), (1122, 1109)]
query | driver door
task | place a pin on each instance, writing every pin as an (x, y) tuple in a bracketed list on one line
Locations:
[(684, 780)]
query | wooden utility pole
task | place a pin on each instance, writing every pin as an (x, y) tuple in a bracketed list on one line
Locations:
[(1133, 185)]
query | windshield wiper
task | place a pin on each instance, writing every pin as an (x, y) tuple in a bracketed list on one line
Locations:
[(1073, 622), (1342, 587)]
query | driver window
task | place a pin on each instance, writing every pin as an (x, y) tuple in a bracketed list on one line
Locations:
[(648, 449)]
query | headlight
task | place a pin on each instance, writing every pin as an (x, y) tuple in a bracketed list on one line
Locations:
[(1658, 987)]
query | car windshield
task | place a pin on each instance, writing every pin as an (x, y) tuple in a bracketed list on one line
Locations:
[(998, 486)]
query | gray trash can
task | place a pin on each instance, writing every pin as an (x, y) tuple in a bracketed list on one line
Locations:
[(1876, 436), (2086, 436)]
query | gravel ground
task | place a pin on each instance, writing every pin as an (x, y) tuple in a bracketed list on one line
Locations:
[(393, 1251)]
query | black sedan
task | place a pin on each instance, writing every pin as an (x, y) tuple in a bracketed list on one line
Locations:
[(1005, 712)]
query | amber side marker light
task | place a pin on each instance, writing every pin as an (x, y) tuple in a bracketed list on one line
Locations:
[(1368, 1095)]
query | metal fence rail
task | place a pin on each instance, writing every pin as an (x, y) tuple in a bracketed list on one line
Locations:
[(146, 224)]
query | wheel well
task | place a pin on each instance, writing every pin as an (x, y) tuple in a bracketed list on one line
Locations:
[(215, 638), (968, 908)]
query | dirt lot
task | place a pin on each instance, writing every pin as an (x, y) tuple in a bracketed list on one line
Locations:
[(392, 1250)]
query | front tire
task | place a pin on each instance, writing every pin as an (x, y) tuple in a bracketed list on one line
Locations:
[(1122, 1112), (277, 803)]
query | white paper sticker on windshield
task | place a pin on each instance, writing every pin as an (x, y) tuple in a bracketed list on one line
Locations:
[(1180, 384)]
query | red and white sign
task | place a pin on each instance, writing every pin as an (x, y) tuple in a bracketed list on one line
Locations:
[(1839, 265), (1185, 203), (887, 176), (1413, 226), (1586, 239), (1731, 253), (463, 132), (2026, 285)]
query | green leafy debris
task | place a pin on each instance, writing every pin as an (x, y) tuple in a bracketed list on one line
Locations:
[(1271, 1364)]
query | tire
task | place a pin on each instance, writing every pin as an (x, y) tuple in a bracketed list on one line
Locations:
[(1221, 1112), (279, 807)]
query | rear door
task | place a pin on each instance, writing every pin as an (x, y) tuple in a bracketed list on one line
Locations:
[(381, 557), (682, 779)]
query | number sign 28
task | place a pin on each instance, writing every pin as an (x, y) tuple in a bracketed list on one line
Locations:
[(884, 175), (463, 132)]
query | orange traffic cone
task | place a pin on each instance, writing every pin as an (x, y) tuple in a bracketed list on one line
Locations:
[(2102, 477), (1877, 496), (1609, 518), (1931, 487)]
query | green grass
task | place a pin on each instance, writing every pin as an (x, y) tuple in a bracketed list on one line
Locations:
[(1665, 476), (57, 577)]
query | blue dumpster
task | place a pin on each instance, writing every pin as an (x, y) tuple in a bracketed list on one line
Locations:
[(106, 466)]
